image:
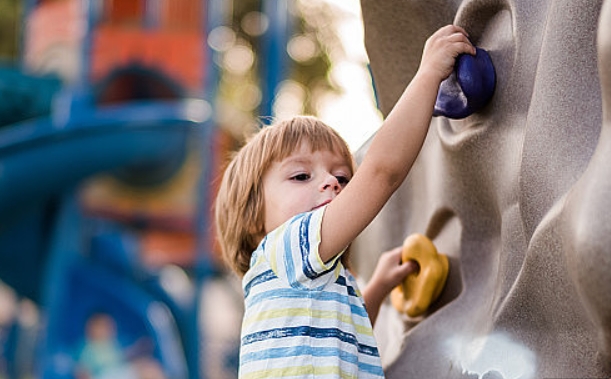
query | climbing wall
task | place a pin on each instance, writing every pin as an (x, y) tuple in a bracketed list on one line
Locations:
[(517, 195)]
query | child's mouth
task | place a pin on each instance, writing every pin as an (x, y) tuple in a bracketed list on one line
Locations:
[(322, 204)]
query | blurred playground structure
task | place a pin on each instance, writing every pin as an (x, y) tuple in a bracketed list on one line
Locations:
[(108, 149)]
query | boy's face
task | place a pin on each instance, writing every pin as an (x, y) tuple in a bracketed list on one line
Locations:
[(302, 182)]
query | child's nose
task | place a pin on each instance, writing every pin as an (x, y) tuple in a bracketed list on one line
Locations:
[(332, 183)]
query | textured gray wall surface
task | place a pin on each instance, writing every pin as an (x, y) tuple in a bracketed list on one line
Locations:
[(517, 195)]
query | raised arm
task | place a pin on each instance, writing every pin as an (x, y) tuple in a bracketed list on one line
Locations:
[(395, 145)]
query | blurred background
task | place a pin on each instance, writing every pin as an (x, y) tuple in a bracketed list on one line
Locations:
[(116, 118)]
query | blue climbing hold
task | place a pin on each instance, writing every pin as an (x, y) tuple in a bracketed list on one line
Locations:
[(469, 88)]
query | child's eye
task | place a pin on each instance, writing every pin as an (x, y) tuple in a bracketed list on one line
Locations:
[(342, 180), (300, 177)]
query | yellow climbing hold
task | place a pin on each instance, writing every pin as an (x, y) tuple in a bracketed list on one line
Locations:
[(414, 296)]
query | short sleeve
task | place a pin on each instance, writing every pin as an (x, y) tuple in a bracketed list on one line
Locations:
[(292, 252)]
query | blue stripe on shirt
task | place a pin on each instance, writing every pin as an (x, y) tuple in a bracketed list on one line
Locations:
[(299, 331), (289, 264), (295, 351), (304, 245), (341, 280), (261, 278)]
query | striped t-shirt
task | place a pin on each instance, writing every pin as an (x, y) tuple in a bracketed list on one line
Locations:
[(303, 318)]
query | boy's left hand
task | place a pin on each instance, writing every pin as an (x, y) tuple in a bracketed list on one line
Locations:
[(390, 272)]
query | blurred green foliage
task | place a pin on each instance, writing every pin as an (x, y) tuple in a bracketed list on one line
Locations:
[(313, 25), (10, 24)]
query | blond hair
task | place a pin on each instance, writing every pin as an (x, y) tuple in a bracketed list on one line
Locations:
[(239, 206)]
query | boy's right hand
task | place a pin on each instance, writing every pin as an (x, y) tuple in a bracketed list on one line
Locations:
[(442, 48)]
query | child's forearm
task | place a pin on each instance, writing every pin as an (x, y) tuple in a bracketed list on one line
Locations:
[(386, 164), (397, 143)]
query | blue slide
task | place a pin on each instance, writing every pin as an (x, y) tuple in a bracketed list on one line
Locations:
[(41, 158), (62, 260)]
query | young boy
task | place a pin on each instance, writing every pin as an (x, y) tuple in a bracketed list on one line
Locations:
[(289, 205)]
